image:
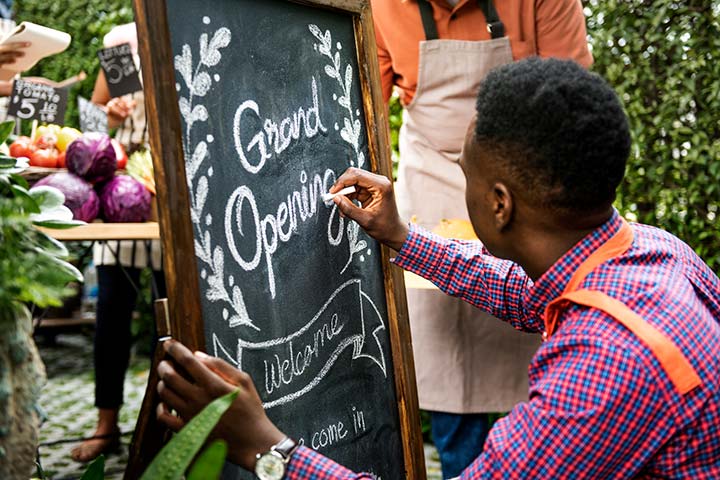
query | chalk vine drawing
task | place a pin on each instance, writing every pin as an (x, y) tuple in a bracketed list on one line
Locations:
[(351, 129), (198, 82)]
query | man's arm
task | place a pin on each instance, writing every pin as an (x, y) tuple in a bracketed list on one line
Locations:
[(595, 411), (466, 270), (459, 269)]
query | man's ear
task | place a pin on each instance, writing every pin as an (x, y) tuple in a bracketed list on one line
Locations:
[(502, 203)]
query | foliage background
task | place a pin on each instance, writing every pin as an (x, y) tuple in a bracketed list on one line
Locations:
[(87, 21), (663, 59)]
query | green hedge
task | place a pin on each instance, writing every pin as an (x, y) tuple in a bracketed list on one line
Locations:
[(87, 21), (663, 58)]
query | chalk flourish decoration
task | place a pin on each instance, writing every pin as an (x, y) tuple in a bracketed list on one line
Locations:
[(197, 84)]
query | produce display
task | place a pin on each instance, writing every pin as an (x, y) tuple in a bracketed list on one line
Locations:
[(80, 197), (47, 146), (92, 156), (92, 186), (124, 199)]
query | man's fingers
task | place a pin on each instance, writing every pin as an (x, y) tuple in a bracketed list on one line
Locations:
[(356, 176), (173, 398), (174, 380), (171, 421), (184, 357), (352, 211), (228, 373)]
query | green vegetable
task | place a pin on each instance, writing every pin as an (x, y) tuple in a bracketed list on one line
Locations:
[(209, 464)]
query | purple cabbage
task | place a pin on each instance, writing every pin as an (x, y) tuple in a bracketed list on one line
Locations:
[(79, 194), (124, 199), (92, 157)]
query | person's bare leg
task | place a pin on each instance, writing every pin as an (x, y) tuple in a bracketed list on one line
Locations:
[(107, 428)]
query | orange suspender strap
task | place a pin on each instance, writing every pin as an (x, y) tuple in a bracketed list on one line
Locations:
[(681, 372)]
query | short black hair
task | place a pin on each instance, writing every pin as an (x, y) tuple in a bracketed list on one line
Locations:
[(559, 130)]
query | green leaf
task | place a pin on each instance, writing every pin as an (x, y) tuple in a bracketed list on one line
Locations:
[(175, 457), (29, 203), (7, 162), (209, 464), (96, 470), (6, 129), (58, 224), (50, 245), (47, 197), (19, 180)]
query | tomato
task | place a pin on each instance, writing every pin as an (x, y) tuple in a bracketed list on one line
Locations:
[(61, 160), (22, 147), (120, 154), (44, 157), (49, 140)]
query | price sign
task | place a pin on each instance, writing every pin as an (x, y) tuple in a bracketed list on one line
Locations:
[(36, 101), (92, 117), (120, 71)]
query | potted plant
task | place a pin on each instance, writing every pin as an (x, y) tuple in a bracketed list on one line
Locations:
[(32, 271)]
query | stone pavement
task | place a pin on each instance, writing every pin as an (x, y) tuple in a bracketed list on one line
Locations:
[(68, 402)]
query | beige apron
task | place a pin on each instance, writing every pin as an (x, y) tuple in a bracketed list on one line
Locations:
[(466, 361)]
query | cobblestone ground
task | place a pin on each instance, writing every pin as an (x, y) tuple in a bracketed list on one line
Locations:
[(68, 401)]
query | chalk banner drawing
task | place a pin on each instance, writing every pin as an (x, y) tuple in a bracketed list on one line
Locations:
[(291, 292)]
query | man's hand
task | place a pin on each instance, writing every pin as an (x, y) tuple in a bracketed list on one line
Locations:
[(11, 52), (245, 426), (378, 214)]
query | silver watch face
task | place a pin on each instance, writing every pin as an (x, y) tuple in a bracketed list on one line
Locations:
[(270, 466)]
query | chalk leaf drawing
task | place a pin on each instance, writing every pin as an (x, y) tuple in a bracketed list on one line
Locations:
[(352, 128), (197, 83)]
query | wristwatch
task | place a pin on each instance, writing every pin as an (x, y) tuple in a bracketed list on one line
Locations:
[(272, 465)]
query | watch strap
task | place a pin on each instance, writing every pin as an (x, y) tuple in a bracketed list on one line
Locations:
[(285, 447)]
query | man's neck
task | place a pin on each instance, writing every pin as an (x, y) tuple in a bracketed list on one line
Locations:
[(543, 244)]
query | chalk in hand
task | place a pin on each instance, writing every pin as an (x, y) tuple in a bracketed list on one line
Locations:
[(327, 197)]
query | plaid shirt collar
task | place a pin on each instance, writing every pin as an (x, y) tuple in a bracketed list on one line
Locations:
[(552, 283)]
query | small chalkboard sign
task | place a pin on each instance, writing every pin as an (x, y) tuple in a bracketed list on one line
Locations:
[(121, 74), (37, 101), (92, 117), (254, 109)]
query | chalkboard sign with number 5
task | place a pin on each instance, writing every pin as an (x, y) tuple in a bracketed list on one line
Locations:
[(120, 71), (36, 101)]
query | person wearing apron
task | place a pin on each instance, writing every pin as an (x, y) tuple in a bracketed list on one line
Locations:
[(119, 264), (627, 383), (467, 363)]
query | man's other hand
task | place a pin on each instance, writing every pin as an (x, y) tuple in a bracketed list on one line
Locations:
[(245, 426)]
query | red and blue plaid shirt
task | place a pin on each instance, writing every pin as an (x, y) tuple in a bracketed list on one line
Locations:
[(600, 404)]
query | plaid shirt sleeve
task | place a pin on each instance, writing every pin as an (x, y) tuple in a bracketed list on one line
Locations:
[(466, 270), (307, 464), (580, 395)]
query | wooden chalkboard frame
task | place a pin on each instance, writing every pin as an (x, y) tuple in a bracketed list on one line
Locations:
[(181, 272)]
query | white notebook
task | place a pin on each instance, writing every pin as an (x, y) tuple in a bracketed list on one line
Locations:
[(44, 42)]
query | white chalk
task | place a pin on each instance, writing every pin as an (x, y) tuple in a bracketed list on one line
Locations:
[(327, 197)]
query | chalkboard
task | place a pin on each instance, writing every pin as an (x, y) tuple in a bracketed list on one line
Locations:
[(121, 74), (268, 103), (37, 101), (92, 117)]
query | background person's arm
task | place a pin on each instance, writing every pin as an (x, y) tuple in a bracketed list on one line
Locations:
[(561, 32), (118, 109)]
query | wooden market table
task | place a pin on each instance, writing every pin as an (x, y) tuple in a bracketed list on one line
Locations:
[(107, 231)]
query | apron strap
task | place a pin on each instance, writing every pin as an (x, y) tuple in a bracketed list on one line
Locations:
[(426, 14), (676, 365), (494, 25)]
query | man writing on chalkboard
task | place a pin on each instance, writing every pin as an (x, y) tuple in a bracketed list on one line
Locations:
[(627, 383), (436, 53)]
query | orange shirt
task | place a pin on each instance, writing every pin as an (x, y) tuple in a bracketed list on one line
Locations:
[(548, 28)]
